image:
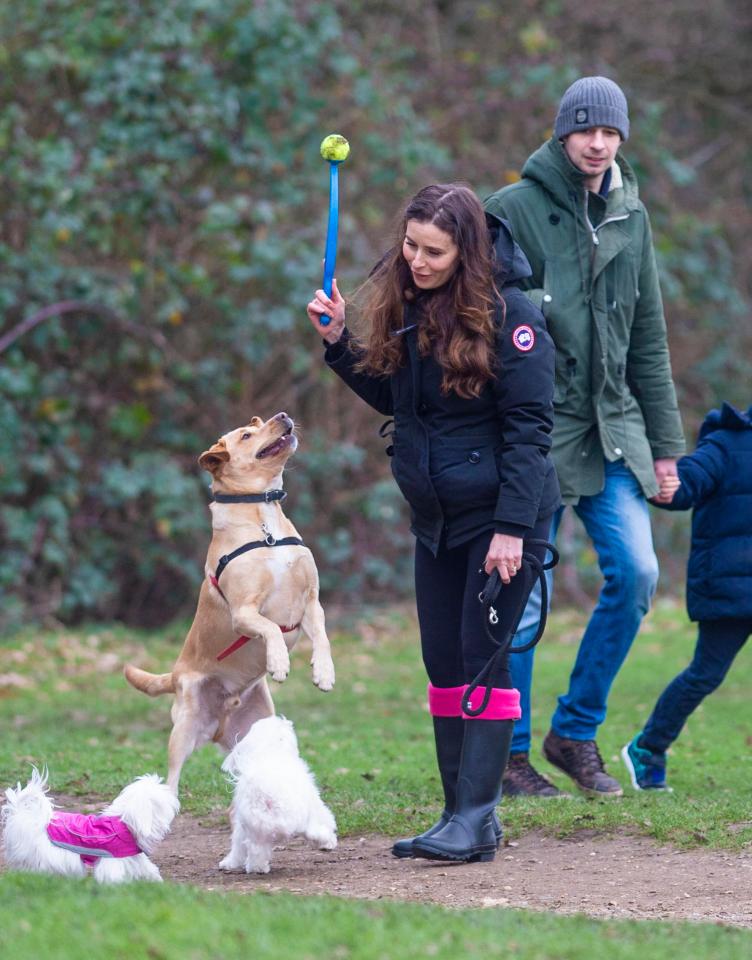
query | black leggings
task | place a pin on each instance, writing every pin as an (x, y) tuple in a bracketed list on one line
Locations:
[(453, 638)]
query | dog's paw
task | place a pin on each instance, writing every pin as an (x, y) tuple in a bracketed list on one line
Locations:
[(257, 866), (278, 662), (230, 863), (279, 673), (323, 672), (328, 843)]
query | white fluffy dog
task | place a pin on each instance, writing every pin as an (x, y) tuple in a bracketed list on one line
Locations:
[(113, 845), (275, 797)]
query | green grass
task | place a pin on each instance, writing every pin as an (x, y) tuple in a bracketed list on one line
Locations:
[(63, 702), (48, 918), (66, 704)]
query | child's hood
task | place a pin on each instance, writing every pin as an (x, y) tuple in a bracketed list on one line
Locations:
[(727, 418)]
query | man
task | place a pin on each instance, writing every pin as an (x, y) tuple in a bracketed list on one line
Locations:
[(617, 431)]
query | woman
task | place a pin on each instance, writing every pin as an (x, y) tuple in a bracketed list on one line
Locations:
[(468, 377)]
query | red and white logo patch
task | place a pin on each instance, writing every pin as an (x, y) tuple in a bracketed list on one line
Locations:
[(523, 337)]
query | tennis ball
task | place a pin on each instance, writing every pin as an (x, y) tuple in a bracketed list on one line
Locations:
[(335, 147)]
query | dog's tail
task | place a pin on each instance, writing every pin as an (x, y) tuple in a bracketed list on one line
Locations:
[(152, 683)]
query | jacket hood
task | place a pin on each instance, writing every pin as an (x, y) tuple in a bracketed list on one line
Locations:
[(727, 418), (511, 263), (551, 167)]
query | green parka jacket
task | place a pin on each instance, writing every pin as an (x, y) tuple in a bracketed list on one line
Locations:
[(595, 278)]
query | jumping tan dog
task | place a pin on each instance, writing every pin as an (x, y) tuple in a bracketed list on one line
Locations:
[(251, 608)]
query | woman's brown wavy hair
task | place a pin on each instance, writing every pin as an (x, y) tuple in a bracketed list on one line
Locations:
[(456, 321)]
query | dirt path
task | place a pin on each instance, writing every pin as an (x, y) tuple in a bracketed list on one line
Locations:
[(602, 877), (615, 877)]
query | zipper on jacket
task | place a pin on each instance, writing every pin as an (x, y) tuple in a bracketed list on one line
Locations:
[(624, 216), (596, 241), (594, 234), (589, 222), (594, 230)]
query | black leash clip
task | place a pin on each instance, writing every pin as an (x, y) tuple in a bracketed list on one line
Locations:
[(533, 571), (489, 593)]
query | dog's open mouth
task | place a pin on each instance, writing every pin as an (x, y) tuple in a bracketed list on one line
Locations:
[(277, 446)]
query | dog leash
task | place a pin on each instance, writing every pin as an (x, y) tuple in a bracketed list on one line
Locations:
[(532, 571)]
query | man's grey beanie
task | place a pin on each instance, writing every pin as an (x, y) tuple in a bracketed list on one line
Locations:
[(592, 102)]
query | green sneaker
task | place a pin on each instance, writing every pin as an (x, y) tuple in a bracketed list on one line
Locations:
[(647, 770)]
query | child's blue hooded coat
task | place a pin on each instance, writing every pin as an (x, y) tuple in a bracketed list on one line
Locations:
[(717, 481)]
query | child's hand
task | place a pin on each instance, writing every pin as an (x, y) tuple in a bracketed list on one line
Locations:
[(668, 481), (669, 486)]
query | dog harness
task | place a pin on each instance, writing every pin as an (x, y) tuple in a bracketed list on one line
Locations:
[(269, 541), (92, 837)]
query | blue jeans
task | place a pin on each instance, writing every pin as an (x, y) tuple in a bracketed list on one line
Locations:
[(718, 642), (618, 523)]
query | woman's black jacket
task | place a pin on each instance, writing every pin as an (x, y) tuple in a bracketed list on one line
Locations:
[(468, 465)]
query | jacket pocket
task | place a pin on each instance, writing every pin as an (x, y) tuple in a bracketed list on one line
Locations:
[(464, 471), (566, 370)]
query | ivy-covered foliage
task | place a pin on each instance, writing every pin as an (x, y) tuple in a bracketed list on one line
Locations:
[(160, 169), (163, 208)]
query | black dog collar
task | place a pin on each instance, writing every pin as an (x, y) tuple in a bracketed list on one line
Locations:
[(267, 497)]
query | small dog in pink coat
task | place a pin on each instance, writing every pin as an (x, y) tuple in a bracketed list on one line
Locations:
[(113, 846)]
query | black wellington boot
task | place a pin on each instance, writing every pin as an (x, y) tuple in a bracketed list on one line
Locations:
[(448, 733), (469, 834)]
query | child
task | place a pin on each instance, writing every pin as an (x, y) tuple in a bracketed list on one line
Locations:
[(717, 481)]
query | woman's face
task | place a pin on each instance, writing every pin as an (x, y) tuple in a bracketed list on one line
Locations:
[(431, 254)]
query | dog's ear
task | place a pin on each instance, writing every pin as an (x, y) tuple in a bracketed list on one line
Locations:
[(213, 458)]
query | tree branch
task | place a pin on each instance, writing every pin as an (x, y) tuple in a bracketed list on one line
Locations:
[(81, 306), (53, 310)]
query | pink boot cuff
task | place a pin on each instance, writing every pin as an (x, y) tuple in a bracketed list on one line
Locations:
[(503, 704), (445, 701)]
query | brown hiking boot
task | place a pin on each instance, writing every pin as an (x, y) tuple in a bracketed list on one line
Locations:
[(581, 761), (521, 779)]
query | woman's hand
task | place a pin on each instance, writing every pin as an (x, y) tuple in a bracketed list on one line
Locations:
[(505, 554), (333, 307)]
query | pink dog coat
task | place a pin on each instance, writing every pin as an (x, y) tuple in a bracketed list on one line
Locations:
[(91, 836)]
